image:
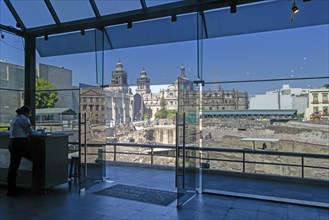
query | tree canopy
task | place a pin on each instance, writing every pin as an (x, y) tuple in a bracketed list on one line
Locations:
[(45, 99)]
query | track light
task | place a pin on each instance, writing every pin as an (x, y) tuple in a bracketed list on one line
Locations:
[(174, 18), (83, 32), (2, 36), (233, 8), (294, 9), (129, 25), (46, 37)]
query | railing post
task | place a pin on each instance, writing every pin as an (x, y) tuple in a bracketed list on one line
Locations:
[(152, 155), (114, 152), (302, 166), (243, 163)]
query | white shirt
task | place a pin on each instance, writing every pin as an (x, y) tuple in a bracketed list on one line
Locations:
[(20, 127)]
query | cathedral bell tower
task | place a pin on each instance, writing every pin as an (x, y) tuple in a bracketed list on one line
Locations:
[(143, 83), (119, 79)]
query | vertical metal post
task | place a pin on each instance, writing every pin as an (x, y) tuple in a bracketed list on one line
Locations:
[(79, 143), (177, 149), (302, 166), (85, 140), (184, 151), (243, 163), (114, 152), (30, 75), (152, 151)]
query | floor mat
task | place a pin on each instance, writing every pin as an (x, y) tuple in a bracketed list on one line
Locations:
[(154, 196)]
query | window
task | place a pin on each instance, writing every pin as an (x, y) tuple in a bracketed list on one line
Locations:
[(91, 100), (84, 107), (315, 98), (325, 110), (91, 107), (97, 107), (103, 107), (325, 98), (84, 99), (97, 99)]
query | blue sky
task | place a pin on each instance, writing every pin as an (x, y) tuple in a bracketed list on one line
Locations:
[(301, 52)]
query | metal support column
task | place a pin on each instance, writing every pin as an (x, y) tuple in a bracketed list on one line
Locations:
[(30, 75)]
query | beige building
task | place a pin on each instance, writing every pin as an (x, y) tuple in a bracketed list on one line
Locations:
[(218, 99), (318, 104)]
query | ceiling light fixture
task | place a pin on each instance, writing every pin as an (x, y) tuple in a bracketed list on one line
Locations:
[(233, 9), (83, 32), (174, 18), (46, 37), (294, 9), (129, 25)]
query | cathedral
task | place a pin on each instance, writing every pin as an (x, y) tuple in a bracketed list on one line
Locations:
[(119, 105)]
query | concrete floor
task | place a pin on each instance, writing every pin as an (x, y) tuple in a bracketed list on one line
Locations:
[(64, 202)]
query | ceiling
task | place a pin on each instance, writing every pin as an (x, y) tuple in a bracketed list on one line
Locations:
[(151, 21)]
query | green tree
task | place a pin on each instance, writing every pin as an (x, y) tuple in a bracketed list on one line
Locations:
[(45, 99), (171, 113), (162, 113)]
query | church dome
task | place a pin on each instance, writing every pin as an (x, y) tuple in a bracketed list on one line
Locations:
[(143, 74), (119, 66)]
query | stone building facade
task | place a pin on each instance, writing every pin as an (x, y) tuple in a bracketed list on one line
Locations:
[(211, 99), (318, 104)]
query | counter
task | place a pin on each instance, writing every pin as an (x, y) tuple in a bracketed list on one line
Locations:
[(50, 164)]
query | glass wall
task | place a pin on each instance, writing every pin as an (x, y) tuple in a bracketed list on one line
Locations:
[(11, 77), (262, 114)]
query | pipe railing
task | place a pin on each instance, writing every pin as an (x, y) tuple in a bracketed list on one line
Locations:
[(243, 152)]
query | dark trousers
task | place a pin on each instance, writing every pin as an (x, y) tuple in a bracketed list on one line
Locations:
[(18, 147)]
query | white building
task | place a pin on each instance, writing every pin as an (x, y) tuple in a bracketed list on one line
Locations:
[(283, 99)]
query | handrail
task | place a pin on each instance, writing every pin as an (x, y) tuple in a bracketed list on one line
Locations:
[(115, 152)]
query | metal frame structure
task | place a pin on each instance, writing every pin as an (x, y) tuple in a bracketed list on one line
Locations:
[(98, 22)]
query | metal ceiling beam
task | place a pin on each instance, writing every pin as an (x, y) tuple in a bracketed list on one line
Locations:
[(204, 24), (166, 10), (94, 7), (11, 30), (52, 12), (15, 14), (143, 4)]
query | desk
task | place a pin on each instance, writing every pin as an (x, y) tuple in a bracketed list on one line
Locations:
[(50, 164), (263, 140)]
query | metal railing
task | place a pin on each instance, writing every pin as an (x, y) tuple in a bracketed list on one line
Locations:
[(152, 153)]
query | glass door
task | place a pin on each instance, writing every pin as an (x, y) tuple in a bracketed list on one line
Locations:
[(187, 142), (92, 136)]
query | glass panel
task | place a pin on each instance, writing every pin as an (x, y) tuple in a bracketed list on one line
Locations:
[(72, 10), (150, 3), (33, 13), (99, 53), (188, 141), (11, 98), (295, 61), (11, 77), (108, 7), (146, 33), (275, 16), (5, 16), (93, 136), (243, 140)]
